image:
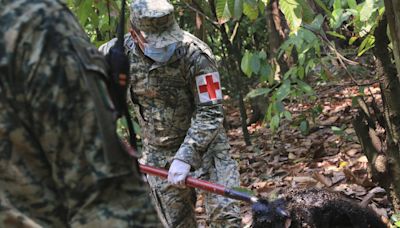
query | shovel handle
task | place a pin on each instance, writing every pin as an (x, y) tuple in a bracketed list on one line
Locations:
[(201, 184)]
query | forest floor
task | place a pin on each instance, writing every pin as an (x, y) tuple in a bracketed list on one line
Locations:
[(329, 156)]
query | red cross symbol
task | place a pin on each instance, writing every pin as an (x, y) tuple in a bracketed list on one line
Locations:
[(210, 87)]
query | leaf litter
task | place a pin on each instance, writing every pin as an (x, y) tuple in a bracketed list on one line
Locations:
[(324, 158)]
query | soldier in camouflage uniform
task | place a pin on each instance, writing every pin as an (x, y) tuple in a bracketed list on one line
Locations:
[(61, 162), (176, 94)]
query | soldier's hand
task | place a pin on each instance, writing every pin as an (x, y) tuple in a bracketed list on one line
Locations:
[(178, 172)]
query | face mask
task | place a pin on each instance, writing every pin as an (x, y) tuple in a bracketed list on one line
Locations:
[(160, 55)]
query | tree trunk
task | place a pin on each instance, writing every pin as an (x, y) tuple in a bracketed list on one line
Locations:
[(392, 8), (383, 152), (391, 94), (276, 33)]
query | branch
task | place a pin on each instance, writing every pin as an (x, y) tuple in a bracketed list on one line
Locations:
[(214, 23)]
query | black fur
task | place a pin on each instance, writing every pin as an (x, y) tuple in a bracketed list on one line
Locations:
[(314, 208)]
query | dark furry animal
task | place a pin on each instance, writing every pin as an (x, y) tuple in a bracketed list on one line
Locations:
[(313, 208)]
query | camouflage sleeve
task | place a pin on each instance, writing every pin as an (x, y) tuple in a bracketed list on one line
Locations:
[(105, 48), (128, 44), (62, 87), (208, 117)]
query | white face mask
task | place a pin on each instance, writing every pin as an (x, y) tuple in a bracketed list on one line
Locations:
[(160, 55)]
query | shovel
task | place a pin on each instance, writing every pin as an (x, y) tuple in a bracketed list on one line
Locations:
[(203, 185), (214, 188)]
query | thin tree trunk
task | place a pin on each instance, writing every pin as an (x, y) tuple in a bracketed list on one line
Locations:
[(392, 8), (390, 95), (276, 34)]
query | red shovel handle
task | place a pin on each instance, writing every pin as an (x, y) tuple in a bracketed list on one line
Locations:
[(200, 184)]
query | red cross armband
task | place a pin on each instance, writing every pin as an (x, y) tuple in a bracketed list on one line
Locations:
[(209, 88)]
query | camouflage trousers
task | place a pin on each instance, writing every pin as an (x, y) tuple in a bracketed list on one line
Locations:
[(119, 204), (176, 206)]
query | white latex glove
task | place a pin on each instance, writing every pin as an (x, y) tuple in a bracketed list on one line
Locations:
[(178, 172)]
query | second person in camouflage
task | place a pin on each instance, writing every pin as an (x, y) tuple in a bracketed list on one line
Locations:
[(176, 93), (61, 162)]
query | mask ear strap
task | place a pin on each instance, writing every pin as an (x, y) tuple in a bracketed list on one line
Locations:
[(138, 38)]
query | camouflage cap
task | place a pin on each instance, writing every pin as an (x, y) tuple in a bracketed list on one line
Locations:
[(155, 18)]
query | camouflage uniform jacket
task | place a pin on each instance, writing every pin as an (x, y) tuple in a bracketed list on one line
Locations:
[(52, 149), (170, 112), (174, 123)]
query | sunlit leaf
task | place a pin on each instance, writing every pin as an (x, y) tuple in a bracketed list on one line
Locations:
[(337, 131), (250, 10), (258, 92), (339, 16), (366, 10), (337, 4), (222, 10), (352, 4), (368, 43), (293, 13), (335, 34), (352, 40)]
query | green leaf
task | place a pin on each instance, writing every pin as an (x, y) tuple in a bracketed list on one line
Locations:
[(274, 124), (262, 55), (352, 40), (335, 34), (231, 6), (368, 43), (238, 9), (293, 13), (255, 63), (258, 92), (280, 108), (337, 4), (245, 64), (283, 90), (339, 16), (307, 13), (395, 218), (323, 6), (288, 115), (304, 127), (317, 23), (305, 87), (366, 10), (83, 11), (250, 10), (300, 71), (337, 131), (266, 73), (222, 10), (268, 115), (352, 4)]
